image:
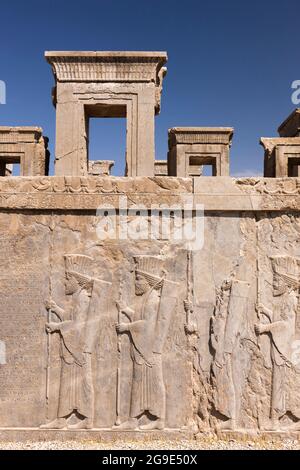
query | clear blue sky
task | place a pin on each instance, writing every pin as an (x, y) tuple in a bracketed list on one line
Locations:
[(231, 63)]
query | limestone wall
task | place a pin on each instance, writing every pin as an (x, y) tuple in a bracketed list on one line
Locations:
[(192, 358)]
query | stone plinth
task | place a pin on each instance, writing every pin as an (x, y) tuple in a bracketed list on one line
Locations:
[(8, 169), (25, 146), (99, 435), (192, 147), (282, 156), (161, 168), (291, 126), (100, 167), (106, 84)]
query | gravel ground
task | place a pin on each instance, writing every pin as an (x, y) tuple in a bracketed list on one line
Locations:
[(199, 444)]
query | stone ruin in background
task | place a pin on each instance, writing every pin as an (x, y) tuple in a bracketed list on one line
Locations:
[(103, 332)]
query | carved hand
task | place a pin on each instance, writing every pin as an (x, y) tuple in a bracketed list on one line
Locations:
[(188, 306), (261, 308), (155, 358), (259, 328), (190, 328), (121, 327), (51, 305), (51, 327)]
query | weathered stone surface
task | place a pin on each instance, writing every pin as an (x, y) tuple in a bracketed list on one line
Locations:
[(211, 344)]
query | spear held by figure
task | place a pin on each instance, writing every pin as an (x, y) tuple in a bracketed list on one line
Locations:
[(190, 326), (50, 311), (119, 306)]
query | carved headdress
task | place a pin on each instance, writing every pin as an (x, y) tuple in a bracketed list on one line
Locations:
[(288, 268), (79, 266), (151, 268)]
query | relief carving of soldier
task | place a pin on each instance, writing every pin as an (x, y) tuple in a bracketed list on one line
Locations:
[(285, 395), (147, 328), (77, 330), (229, 330)]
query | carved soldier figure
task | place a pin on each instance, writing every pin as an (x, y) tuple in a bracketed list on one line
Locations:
[(77, 336), (229, 329), (148, 328), (281, 329)]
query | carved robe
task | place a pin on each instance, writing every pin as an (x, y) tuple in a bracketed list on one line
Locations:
[(282, 336), (230, 359), (78, 336), (148, 334), (76, 388)]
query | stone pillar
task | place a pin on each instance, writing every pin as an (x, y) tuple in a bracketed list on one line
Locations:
[(104, 84), (192, 147), (25, 146), (282, 156), (71, 157), (145, 134), (161, 168)]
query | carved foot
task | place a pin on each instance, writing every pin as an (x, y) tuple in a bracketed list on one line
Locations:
[(131, 424), (229, 425), (82, 424), (59, 423), (292, 427), (157, 424), (273, 425)]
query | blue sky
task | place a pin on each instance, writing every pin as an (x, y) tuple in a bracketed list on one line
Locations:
[(231, 63)]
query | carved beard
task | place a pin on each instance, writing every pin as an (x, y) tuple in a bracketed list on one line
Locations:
[(71, 286), (280, 291), (279, 287), (141, 288)]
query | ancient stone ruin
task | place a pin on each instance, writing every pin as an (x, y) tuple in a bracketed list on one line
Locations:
[(163, 301)]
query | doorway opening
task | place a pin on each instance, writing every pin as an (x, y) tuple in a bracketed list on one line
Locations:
[(10, 166), (294, 167), (106, 133), (200, 165)]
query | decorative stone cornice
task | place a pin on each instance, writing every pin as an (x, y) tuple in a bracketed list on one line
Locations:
[(269, 143), (200, 135), (216, 194), (106, 66), (25, 134)]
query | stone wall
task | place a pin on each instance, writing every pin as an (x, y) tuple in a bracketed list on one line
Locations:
[(209, 337)]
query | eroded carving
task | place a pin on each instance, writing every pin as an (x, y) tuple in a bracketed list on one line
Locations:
[(78, 331), (148, 325), (281, 329), (229, 334)]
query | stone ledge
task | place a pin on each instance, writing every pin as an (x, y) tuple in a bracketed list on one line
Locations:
[(88, 193), (106, 435), (253, 435)]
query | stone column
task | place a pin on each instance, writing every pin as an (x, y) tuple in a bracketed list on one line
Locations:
[(87, 80), (190, 147), (71, 138), (145, 136)]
